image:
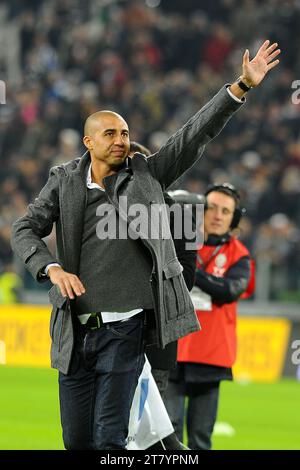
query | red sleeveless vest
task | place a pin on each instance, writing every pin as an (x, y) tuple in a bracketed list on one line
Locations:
[(215, 343)]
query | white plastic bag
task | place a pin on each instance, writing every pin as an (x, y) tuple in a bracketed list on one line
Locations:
[(149, 421)]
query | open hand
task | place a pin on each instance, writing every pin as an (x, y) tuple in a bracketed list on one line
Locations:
[(254, 71), (69, 284)]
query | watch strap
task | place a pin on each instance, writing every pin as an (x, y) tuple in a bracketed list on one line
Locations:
[(243, 85)]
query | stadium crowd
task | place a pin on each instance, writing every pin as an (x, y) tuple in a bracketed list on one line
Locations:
[(62, 60)]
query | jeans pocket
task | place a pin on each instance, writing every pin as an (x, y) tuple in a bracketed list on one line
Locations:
[(126, 329)]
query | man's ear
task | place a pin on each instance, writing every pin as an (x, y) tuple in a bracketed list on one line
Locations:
[(87, 142)]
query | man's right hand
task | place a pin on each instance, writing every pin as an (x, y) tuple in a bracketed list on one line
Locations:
[(69, 284)]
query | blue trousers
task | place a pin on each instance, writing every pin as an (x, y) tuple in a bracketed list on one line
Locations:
[(96, 396)]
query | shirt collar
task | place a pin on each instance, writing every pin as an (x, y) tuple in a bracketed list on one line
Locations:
[(89, 183), (126, 166)]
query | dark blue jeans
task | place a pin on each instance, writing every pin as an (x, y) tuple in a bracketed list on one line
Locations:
[(95, 398)]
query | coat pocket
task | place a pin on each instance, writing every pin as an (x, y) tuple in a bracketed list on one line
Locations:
[(56, 298), (174, 290), (58, 313), (173, 268), (53, 319)]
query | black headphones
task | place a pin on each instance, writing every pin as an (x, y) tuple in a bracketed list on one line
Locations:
[(231, 191)]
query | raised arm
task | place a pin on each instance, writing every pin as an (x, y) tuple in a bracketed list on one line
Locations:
[(186, 146)]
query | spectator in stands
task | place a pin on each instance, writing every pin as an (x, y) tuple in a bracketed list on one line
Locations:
[(10, 285)]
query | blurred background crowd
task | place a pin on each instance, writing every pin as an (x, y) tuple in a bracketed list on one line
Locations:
[(156, 62)]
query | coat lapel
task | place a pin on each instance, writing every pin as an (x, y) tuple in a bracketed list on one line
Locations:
[(113, 183), (73, 202)]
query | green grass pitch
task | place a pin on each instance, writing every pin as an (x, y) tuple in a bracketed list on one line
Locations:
[(252, 416)]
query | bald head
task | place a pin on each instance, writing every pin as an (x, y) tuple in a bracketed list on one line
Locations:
[(92, 123), (106, 136)]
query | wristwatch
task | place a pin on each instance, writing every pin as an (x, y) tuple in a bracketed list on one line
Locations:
[(243, 85)]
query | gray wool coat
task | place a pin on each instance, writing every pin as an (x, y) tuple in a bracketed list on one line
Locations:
[(62, 201)]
